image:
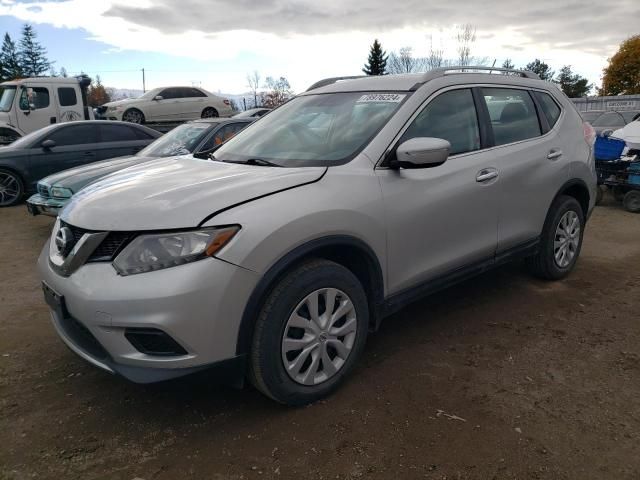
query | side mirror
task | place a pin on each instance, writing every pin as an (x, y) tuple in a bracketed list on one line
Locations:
[(158, 97), (48, 144), (422, 152), (202, 155)]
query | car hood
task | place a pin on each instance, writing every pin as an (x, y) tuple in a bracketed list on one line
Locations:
[(78, 177), (176, 192), (124, 101)]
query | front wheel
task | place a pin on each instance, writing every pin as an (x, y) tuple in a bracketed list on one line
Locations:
[(309, 334), (133, 115), (561, 240), (11, 188)]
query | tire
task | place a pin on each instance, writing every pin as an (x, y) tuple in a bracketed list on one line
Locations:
[(549, 263), (631, 201), (11, 188), (278, 331), (209, 112), (133, 115), (599, 195)]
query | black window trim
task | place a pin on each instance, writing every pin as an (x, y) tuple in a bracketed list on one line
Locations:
[(389, 152)]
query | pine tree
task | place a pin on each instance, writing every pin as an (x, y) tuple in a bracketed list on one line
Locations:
[(542, 69), (377, 62), (33, 56), (573, 85), (508, 64), (10, 60)]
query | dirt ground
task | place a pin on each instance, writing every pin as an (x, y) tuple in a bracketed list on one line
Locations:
[(500, 377)]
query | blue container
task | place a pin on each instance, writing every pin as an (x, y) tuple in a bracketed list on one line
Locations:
[(608, 148), (634, 173)]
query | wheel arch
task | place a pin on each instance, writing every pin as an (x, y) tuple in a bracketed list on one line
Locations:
[(577, 189), (350, 252)]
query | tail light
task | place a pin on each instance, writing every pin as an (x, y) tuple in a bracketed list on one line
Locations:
[(226, 102), (589, 133)]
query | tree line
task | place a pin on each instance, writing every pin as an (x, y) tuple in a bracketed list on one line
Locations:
[(620, 77), (26, 58)]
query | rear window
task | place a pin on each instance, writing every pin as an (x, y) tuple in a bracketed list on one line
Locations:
[(550, 108), (67, 96), (513, 115)]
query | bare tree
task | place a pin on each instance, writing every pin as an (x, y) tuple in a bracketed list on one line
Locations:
[(466, 38), (279, 91), (404, 62), (253, 82)]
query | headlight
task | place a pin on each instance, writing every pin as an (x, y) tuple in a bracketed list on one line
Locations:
[(61, 192), (147, 253), (113, 109)]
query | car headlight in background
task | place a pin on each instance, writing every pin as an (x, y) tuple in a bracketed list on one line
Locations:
[(61, 192), (113, 109), (147, 253)]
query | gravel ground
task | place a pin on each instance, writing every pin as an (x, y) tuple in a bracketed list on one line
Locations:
[(501, 377)]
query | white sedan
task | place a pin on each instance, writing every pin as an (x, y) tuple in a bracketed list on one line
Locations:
[(167, 104)]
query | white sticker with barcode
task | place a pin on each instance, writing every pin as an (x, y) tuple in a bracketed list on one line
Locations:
[(381, 97)]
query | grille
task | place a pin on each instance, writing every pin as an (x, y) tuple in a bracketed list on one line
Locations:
[(83, 338), (43, 190), (107, 250)]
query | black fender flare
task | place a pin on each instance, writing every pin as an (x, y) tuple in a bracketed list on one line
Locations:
[(314, 248)]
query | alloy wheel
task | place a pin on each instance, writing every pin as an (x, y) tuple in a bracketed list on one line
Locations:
[(132, 116), (567, 239), (9, 188), (319, 336)]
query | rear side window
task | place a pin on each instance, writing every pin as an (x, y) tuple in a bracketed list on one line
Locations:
[(222, 135), (192, 92), (513, 115), (550, 108), (67, 96), (141, 134), (117, 133), (451, 116), (75, 135)]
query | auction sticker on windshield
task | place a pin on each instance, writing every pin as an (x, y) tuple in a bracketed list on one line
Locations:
[(382, 97)]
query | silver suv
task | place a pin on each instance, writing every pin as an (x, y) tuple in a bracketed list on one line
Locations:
[(276, 257)]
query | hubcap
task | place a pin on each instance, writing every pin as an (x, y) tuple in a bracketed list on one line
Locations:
[(133, 117), (319, 336), (567, 239), (209, 113), (9, 188)]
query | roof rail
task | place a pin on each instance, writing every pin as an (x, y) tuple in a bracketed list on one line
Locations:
[(328, 81), (458, 69)]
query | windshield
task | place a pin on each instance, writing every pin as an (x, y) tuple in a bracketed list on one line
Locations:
[(149, 95), (612, 119), (7, 93), (182, 140), (313, 130)]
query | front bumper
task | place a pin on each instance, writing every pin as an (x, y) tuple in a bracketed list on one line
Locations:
[(38, 205), (199, 305)]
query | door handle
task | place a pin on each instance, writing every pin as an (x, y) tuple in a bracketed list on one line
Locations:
[(486, 174), (554, 154)]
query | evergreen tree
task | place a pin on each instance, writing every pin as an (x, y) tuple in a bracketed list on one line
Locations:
[(33, 56), (377, 62), (542, 69), (508, 64), (573, 85), (10, 59)]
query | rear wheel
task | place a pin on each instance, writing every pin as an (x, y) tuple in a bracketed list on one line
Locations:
[(133, 115), (309, 334), (209, 112), (561, 240), (11, 188), (631, 201)]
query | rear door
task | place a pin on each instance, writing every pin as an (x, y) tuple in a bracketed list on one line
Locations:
[(75, 144), (119, 140), (443, 218), (192, 103), (529, 156)]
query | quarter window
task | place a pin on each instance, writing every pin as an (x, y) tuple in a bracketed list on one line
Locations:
[(451, 116), (67, 96), (34, 98), (513, 115), (549, 106)]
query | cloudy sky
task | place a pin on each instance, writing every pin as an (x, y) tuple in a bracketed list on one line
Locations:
[(214, 43)]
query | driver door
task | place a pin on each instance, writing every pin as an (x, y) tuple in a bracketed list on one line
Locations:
[(441, 219), (36, 108)]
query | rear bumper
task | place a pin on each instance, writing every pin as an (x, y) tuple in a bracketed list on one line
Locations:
[(38, 205)]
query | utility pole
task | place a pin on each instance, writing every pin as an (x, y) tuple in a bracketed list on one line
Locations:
[(143, 84)]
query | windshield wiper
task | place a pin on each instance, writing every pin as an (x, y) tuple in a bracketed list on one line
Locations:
[(255, 161)]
